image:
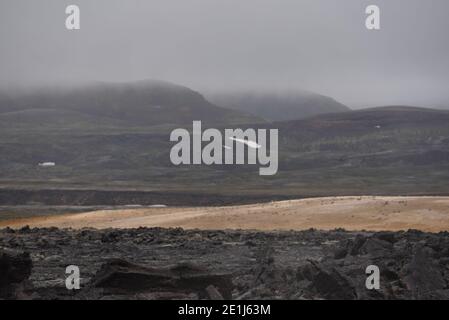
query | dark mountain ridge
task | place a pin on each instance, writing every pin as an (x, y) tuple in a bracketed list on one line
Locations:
[(389, 150), (148, 102), (279, 106), (367, 120)]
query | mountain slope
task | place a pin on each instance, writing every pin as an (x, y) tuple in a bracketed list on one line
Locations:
[(366, 121), (142, 103), (389, 150), (279, 106), (387, 137)]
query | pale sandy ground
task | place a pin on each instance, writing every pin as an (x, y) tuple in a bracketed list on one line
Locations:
[(351, 213)]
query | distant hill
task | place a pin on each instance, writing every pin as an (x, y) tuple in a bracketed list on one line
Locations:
[(396, 150), (142, 103), (43, 118), (366, 121), (395, 138), (278, 106)]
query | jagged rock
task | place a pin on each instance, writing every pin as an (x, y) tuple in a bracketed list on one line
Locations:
[(354, 246), (389, 275), (376, 247), (424, 277), (266, 271), (340, 253), (213, 293), (387, 236), (327, 283), (15, 268), (25, 229), (9, 230), (263, 264), (122, 276), (109, 236)]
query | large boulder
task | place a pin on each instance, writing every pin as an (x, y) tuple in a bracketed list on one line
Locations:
[(15, 268), (122, 277), (326, 283)]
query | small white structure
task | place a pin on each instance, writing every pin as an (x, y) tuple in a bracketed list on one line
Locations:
[(47, 164)]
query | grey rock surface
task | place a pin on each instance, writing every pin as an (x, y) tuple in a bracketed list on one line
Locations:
[(156, 263)]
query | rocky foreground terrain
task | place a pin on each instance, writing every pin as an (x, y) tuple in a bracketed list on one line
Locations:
[(160, 263)]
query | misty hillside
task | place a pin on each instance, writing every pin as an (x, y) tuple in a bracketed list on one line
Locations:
[(142, 103), (388, 150), (278, 106), (6, 103), (404, 141), (376, 121)]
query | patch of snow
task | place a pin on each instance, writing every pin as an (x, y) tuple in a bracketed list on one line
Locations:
[(249, 143), (47, 164)]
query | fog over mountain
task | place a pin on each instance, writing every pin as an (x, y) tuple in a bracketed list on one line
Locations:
[(141, 103), (317, 45), (278, 106)]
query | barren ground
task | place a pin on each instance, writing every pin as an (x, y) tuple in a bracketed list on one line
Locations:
[(430, 214)]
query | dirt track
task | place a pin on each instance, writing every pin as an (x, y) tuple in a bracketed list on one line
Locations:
[(429, 214)]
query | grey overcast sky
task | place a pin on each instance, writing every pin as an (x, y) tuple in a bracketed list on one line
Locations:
[(215, 45)]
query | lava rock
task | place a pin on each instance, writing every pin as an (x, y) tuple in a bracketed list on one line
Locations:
[(327, 283), (424, 277), (15, 268), (121, 276)]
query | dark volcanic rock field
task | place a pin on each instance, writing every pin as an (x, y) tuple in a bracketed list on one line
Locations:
[(178, 264)]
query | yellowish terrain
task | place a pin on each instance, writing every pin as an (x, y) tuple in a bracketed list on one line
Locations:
[(351, 213)]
